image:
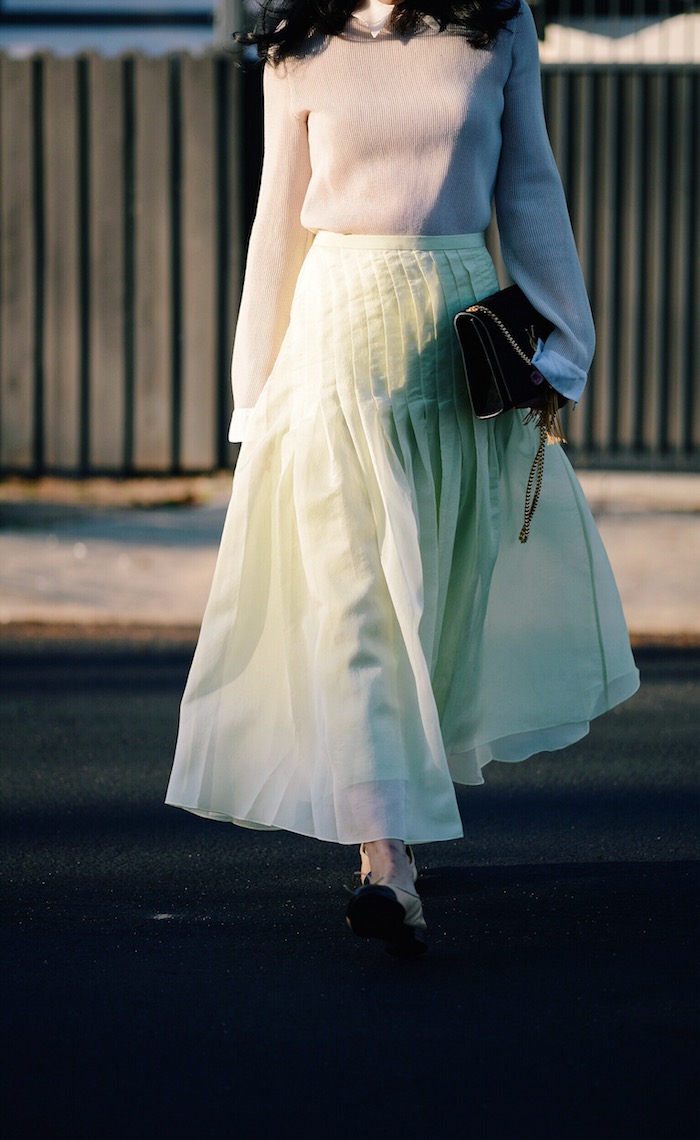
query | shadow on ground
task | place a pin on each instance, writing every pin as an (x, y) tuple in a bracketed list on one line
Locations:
[(175, 977)]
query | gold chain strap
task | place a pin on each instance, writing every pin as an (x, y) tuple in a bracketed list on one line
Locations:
[(534, 479), (547, 420), (506, 332)]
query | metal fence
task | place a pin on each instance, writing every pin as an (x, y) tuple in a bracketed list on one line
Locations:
[(627, 144), (122, 221)]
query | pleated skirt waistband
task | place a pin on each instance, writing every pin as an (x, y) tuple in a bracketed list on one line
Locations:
[(399, 241)]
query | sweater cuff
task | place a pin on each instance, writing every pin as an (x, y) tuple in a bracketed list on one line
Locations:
[(565, 377), (239, 424)]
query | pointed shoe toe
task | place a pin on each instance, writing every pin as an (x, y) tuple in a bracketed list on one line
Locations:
[(391, 914)]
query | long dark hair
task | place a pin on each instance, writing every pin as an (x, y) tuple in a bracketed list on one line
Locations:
[(284, 27)]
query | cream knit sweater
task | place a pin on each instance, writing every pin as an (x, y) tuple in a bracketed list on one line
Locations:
[(390, 135)]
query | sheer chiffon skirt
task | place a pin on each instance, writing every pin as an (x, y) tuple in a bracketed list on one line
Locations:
[(375, 630)]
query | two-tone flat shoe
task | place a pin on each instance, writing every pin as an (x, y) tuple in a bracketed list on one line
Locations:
[(365, 871), (391, 914)]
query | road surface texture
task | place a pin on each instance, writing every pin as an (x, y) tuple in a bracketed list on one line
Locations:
[(171, 977)]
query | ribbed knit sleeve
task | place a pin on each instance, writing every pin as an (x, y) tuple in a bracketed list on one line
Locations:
[(535, 231), (278, 245)]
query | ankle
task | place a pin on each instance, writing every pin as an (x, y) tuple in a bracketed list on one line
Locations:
[(390, 863)]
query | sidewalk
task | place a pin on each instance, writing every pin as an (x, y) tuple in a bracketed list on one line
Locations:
[(139, 554)]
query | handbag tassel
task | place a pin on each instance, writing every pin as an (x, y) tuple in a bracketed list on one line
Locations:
[(549, 424)]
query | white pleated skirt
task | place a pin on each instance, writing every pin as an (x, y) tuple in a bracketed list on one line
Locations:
[(375, 631)]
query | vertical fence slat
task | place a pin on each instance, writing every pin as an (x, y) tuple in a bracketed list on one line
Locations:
[(630, 266), (198, 406), (17, 251), (152, 265), (693, 406), (656, 283), (582, 208), (604, 290), (62, 407), (688, 245), (106, 146), (680, 151), (231, 191), (557, 89)]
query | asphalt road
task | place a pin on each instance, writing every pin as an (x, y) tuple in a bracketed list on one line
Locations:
[(171, 977)]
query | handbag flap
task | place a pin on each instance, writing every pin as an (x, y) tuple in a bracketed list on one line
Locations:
[(481, 365), (498, 337)]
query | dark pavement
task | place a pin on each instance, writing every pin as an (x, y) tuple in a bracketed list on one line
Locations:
[(167, 976)]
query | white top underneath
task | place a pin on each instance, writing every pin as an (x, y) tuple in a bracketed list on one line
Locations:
[(374, 14)]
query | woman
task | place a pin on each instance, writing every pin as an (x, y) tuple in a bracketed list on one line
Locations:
[(375, 630)]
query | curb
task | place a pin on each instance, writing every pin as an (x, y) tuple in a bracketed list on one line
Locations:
[(160, 637)]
